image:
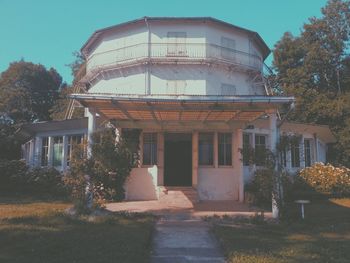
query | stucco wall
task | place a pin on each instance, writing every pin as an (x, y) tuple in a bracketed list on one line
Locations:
[(142, 184), (217, 184)]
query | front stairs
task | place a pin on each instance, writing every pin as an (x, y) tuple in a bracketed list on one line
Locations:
[(178, 196)]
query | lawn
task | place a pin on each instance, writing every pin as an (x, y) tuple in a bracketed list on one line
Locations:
[(34, 231), (324, 236)]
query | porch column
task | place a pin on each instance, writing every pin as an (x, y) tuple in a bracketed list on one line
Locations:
[(238, 164), (64, 152), (274, 137), (160, 153), (50, 152), (302, 152), (195, 159), (216, 150), (315, 148), (91, 129)]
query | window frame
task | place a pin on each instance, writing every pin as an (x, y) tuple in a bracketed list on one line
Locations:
[(211, 149), (228, 161), (153, 158)]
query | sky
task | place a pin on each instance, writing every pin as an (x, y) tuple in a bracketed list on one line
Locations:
[(49, 31)]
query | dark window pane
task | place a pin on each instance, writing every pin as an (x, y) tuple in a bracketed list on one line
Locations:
[(205, 149), (246, 146), (45, 151), (295, 155), (149, 149), (225, 148), (307, 152)]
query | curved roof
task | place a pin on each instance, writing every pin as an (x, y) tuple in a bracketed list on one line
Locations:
[(254, 35)]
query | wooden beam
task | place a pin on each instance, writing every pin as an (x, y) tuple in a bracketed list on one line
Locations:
[(121, 108)]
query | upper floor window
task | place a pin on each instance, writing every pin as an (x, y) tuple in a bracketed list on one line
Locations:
[(149, 156), (295, 154), (176, 44), (228, 48), (205, 149), (225, 148), (176, 87), (44, 151), (307, 152), (228, 89)]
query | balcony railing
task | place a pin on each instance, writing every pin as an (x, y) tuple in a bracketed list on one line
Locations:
[(179, 52)]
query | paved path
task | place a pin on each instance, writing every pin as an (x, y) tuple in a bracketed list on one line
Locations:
[(180, 240)]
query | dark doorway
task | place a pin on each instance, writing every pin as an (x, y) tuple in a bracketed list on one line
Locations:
[(178, 159)]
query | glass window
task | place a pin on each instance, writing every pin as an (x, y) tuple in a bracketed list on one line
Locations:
[(225, 148), (73, 140), (228, 89), (260, 149), (295, 154), (149, 149), (246, 146), (45, 151), (228, 47), (205, 149), (57, 151), (307, 152)]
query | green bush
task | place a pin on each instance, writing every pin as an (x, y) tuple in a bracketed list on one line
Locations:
[(17, 178), (326, 179)]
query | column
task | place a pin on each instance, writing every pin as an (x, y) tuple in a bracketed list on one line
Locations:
[(216, 150), (274, 134), (64, 153), (238, 164), (160, 157), (91, 129), (315, 148), (302, 152), (50, 152), (195, 159)]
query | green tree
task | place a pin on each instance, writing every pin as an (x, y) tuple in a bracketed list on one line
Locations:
[(28, 91), (315, 68)]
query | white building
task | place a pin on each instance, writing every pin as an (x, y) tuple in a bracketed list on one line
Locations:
[(196, 88)]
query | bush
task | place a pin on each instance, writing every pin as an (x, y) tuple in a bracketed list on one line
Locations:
[(326, 179), (17, 178)]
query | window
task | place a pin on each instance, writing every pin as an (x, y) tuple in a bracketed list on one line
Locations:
[(149, 149), (228, 48), (57, 151), (73, 140), (246, 146), (45, 151), (295, 154), (260, 149), (205, 149), (176, 44), (225, 148), (307, 152), (227, 89), (176, 87), (283, 157)]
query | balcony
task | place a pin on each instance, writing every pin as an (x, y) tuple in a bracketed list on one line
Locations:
[(168, 53)]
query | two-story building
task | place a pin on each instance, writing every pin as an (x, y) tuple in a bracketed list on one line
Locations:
[(196, 89)]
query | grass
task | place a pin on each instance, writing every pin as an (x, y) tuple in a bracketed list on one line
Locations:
[(324, 236), (39, 231)]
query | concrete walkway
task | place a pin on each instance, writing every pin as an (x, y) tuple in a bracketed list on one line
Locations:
[(182, 240)]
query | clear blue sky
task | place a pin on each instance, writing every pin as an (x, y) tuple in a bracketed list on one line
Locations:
[(48, 31)]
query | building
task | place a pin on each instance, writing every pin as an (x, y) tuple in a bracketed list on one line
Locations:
[(196, 88)]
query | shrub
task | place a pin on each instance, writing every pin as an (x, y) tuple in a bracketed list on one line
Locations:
[(10, 172), (327, 179)]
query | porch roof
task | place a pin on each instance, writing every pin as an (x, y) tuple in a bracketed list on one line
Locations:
[(165, 108)]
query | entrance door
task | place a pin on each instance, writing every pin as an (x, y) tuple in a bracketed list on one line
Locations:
[(178, 159)]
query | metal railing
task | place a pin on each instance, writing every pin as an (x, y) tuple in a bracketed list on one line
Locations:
[(173, 51)]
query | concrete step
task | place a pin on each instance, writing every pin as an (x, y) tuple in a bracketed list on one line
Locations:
[(175, 194)]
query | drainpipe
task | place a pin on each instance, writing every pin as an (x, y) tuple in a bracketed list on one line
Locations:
[(148, 74)]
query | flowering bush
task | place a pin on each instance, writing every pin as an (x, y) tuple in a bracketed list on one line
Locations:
[(327, 179)]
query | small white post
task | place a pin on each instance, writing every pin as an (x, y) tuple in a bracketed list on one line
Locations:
[(50, 152), (91, 129)]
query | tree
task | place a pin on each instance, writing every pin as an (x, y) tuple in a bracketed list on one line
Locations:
[(315, 68), (78, 68), (28, 91)]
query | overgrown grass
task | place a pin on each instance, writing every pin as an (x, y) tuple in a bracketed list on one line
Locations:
[(34, 231), (324, 236)]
